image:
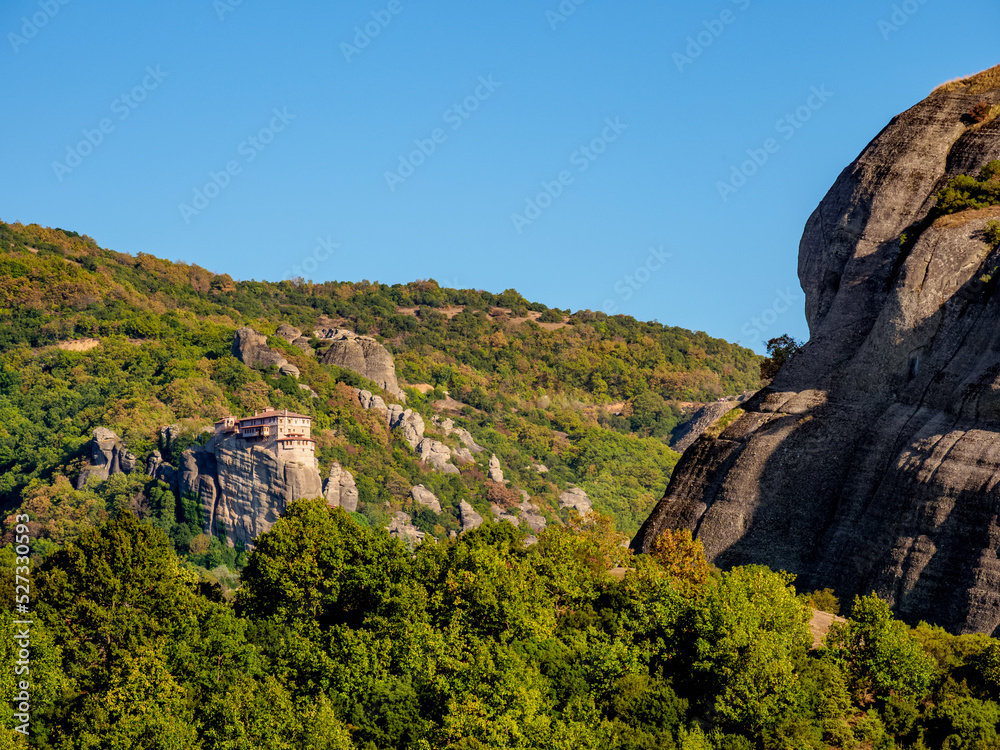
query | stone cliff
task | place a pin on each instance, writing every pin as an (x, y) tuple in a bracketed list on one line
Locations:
[(244, 488), (872, 461)]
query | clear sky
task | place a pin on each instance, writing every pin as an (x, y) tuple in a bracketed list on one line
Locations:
[(575, 152)]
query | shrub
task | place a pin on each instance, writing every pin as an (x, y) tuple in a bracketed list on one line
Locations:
[(825, 601), (992, 233), (980, 112)]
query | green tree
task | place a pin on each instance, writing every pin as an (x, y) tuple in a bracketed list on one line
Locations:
[(880, 655)]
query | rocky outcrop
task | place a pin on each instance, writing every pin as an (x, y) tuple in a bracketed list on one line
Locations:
[(448, 427), (468, 516), (363, 355), (294, 336), (577, 499), (872, 460), (423, 496), (244, 488), (401, 528), (530, 515), (108, 455), (437, 455), (685, 435), (407, 421), (502, 515), (494, 472), (251, 348), (157, 468), (370, 401), (340, 489)]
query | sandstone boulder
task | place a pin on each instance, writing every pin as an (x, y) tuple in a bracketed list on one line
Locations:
[(502, 515), (425, 497), (685, 435), (494, 473), (401, 528), (528, 512), (244, 488), (437, 455), (576, 498), (365, 356), (340, 489), (288, 333), (250, 347), (468, 516), (108, 455)]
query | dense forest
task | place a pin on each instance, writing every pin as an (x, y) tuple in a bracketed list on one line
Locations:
[(93, 337), (339, 637)]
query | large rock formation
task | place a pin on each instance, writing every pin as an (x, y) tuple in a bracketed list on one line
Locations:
[(108, 455), (250, 348), (244, 488), (872, 461), (576, 499), (363, 355), (340, 489)]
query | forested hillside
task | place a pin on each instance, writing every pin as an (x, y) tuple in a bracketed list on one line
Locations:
[(92, 337), (340, 638)]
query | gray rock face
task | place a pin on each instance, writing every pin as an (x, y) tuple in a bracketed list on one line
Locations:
[(363, 355), (447, 427), (289, 369), (252, 350), (408, 422), (494, 473), (401, 528), (576, 498), (108, 456), (437, 455), (468, 516), (244, 488), (159, 469), (871, 461), (294, 336), (530, 515), (340, 489), (425, 497), (700, 421), (287, 332), (502, 515), (369, 401), (462, 455)]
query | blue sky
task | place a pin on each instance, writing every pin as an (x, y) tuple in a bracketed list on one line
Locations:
[(574, 151)]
